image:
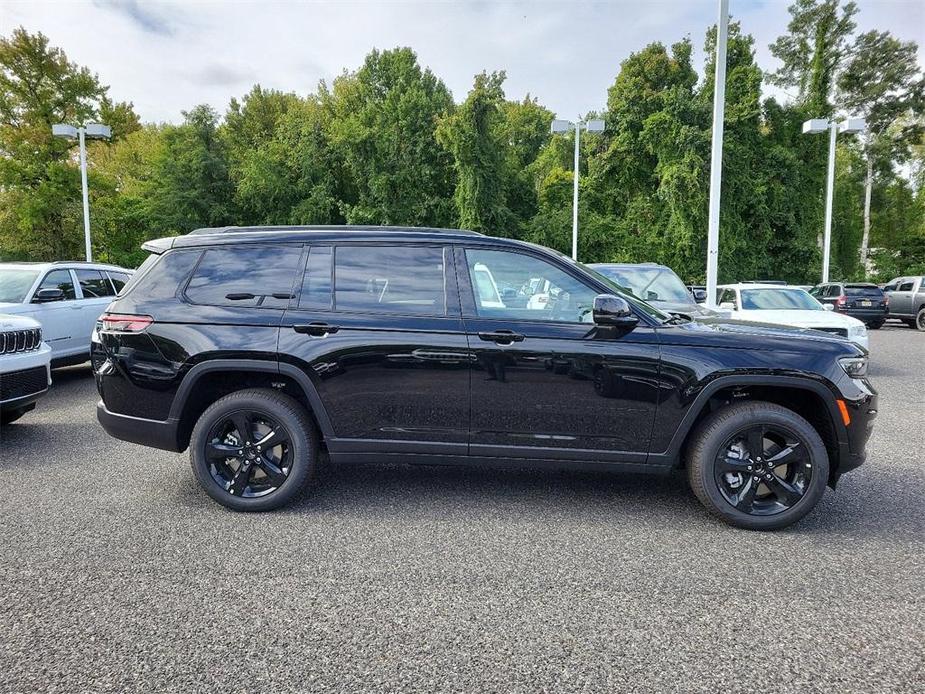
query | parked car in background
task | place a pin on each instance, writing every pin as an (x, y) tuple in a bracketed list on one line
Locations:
[(25, 371), (65, 297), (860, 300), (907, 300), (777, 305), (255, 347), (655, 284)]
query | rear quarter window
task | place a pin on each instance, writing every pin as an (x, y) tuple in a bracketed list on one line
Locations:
[(256, 276), (160, 276)]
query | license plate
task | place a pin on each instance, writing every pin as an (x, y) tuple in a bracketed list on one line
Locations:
[(865, 303)]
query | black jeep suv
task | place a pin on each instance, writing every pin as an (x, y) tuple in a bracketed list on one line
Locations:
[(256, 347)]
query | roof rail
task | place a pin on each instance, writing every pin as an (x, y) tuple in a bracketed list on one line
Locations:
[(208, 231)]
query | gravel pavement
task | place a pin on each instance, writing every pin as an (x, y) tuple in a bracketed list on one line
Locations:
[(119, 575)]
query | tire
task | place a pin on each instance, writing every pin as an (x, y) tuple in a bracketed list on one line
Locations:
[(910, 322), (920, 320), (876, 325), (708, 477), (242, 480)]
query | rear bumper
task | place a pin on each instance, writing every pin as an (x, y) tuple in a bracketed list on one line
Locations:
[(868, 315), (147, 432)]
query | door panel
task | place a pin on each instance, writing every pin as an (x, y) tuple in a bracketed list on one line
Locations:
[(61, 320), (560, 387), (389, 359)]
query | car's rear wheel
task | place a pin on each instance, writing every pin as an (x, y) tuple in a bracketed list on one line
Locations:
[(757, 465), (875, 325), (254, 450)]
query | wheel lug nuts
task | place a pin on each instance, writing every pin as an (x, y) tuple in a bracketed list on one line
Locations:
[(749, 467)]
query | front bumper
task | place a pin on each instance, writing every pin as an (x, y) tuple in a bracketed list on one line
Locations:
[(861, 409), (24, 377)]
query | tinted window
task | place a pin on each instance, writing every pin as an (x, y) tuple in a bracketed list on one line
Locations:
[(517, 286), (119, 280), (94, 284), (832, 290), (59, 279), (246, 276), (905, 287), (863, 291), (316, 280), (397, 279), (159, 276)]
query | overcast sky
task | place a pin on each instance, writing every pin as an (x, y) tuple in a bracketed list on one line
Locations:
[(167, 57)]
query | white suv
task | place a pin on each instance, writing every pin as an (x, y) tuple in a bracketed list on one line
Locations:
[(65, 297), (25, 369)]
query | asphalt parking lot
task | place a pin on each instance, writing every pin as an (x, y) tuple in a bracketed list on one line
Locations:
[(120, 575)]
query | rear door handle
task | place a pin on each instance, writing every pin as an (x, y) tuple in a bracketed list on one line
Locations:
[(315, 329), (502, 337)]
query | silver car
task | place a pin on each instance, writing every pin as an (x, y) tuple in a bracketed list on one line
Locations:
[(65, 297)]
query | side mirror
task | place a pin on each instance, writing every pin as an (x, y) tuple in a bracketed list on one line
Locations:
[(728, 306), (43, 296), (613, 310), (828, 307)]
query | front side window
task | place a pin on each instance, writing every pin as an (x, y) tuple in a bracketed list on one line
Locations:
[(408, 280), (245, 276), (905, 287), (520, 287), (94, 284), (59, 279)]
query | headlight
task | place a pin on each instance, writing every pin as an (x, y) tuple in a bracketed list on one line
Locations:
[(858, 331), (856, 367)]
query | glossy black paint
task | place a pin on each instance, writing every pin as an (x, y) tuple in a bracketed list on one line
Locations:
[(457, 387)]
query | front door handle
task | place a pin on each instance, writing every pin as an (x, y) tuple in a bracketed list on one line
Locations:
[(315, 329), (502, 337)]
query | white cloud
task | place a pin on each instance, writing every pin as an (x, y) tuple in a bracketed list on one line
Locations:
[(168, 57)]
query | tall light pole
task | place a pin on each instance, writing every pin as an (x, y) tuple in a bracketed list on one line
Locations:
[(93, 131), (563, 126), (716, 150), (849, 126)]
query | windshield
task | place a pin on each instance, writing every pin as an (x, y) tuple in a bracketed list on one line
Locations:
[(15, 284), (650, 284), (779, 300)]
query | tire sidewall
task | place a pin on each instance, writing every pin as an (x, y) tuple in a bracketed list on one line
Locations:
[(723, 429), (919, 323), (304, 450)]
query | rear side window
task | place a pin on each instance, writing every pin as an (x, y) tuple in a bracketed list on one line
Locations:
[(94, 284), (316, 280), (407, 280), (246, 276), (59, 279), (159, 276)]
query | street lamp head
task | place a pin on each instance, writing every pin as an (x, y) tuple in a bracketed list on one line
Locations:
[(852, 126), (815, 126), (68, 132), (98, 131), (561, 126), (595, 126)]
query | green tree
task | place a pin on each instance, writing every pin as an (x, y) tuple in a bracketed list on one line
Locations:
[(382, 124), (476, 137), (882, 82)]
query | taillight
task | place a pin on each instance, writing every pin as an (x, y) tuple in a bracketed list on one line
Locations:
[(841, 301), (886, 300), (125, 323)]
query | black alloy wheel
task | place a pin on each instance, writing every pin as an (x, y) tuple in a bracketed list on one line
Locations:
[(763, 470), (249, 454), (757, 465), (254, 449)]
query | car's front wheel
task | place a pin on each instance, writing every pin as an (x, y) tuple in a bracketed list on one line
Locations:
[(254, 450), (757, 465), (920, 320)]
